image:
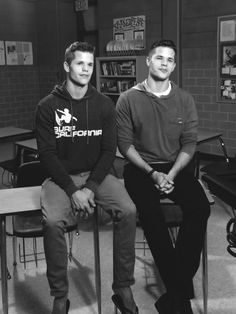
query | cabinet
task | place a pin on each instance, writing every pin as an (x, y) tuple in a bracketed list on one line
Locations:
[(117, 74)]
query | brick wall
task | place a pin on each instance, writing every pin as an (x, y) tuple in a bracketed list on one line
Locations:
[(21, 89), (50, 26), (199, 69), (199, 79), (18, 95)]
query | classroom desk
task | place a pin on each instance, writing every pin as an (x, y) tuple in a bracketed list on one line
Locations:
[(11, 134), (29, 144), (14, 201), (27, 199), (203, 137), (223, 186), (208, 136)]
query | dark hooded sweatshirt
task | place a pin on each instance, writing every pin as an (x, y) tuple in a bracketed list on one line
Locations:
[(75, 136)]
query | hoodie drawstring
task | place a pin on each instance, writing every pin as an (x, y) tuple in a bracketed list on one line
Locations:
[(72, 121)]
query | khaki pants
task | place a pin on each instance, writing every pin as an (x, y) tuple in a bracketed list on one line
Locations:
[(58, 213)]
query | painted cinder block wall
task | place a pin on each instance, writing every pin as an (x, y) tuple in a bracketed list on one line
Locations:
[(50, 26), (199, 65)]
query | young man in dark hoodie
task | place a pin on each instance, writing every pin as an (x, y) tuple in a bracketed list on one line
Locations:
[(157, 133), (76, 136)]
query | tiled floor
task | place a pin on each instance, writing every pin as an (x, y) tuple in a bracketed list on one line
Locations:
[(29, 292)]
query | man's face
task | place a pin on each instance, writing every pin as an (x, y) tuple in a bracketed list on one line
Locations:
[(81, 68), (161, 63)]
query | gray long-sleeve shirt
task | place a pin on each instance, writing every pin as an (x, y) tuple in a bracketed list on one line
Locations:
[(159, 128)]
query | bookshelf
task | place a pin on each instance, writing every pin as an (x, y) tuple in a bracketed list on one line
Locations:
[(117, 74)]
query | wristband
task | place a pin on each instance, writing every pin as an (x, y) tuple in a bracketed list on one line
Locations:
[(151, 172)]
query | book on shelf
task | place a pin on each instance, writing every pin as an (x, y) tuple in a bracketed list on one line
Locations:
[(124, 85), (109, 86), (115, 68), (116, 86), (127, 68)]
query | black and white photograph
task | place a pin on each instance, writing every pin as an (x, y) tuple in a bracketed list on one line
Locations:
[(117, 157)]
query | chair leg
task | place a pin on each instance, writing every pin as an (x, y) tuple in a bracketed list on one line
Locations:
[(115, 225), (24, 257), (205, 274), (35, 251), (3, 176), (8, 274), (97, 260), (14, 247)]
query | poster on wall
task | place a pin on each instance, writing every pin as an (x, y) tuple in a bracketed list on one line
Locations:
[(81, 5), (228, 89), (2, 53), (130, 28), (228, 30), (228, 60), (19, 53)]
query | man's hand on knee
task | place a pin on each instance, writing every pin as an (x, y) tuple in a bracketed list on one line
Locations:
[(84, 200)]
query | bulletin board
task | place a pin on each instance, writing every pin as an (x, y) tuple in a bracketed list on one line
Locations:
[(131, 28), (19, 53), (226, 58)]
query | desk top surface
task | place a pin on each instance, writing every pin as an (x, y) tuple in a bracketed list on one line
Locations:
[(13, 131), (223, 187), (204, 136), (18, 200), (31, 143)]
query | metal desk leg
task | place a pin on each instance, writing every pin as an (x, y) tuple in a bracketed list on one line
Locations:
[(223, 149), (4, 265), (97, 260), (205, 275)]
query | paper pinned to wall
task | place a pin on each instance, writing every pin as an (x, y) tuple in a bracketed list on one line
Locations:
[(2, 53), (81, 5), (228, 30), (19, 53)]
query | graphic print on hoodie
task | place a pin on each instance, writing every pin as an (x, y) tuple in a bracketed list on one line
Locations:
[(66, 129), (76, 135)]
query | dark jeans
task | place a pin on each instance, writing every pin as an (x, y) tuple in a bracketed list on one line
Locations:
[(177, 266), (57, 213)]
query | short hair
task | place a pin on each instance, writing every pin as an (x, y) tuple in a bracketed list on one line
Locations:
[(78, 46), (163, 43)]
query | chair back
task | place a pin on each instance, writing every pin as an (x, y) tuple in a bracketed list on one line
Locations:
[(29, 224), (30, 174)]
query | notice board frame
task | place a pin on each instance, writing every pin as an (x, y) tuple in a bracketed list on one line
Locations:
[(226, 58)]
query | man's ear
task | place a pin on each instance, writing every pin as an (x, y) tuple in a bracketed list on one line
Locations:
[(66, 67), (148, 59)]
